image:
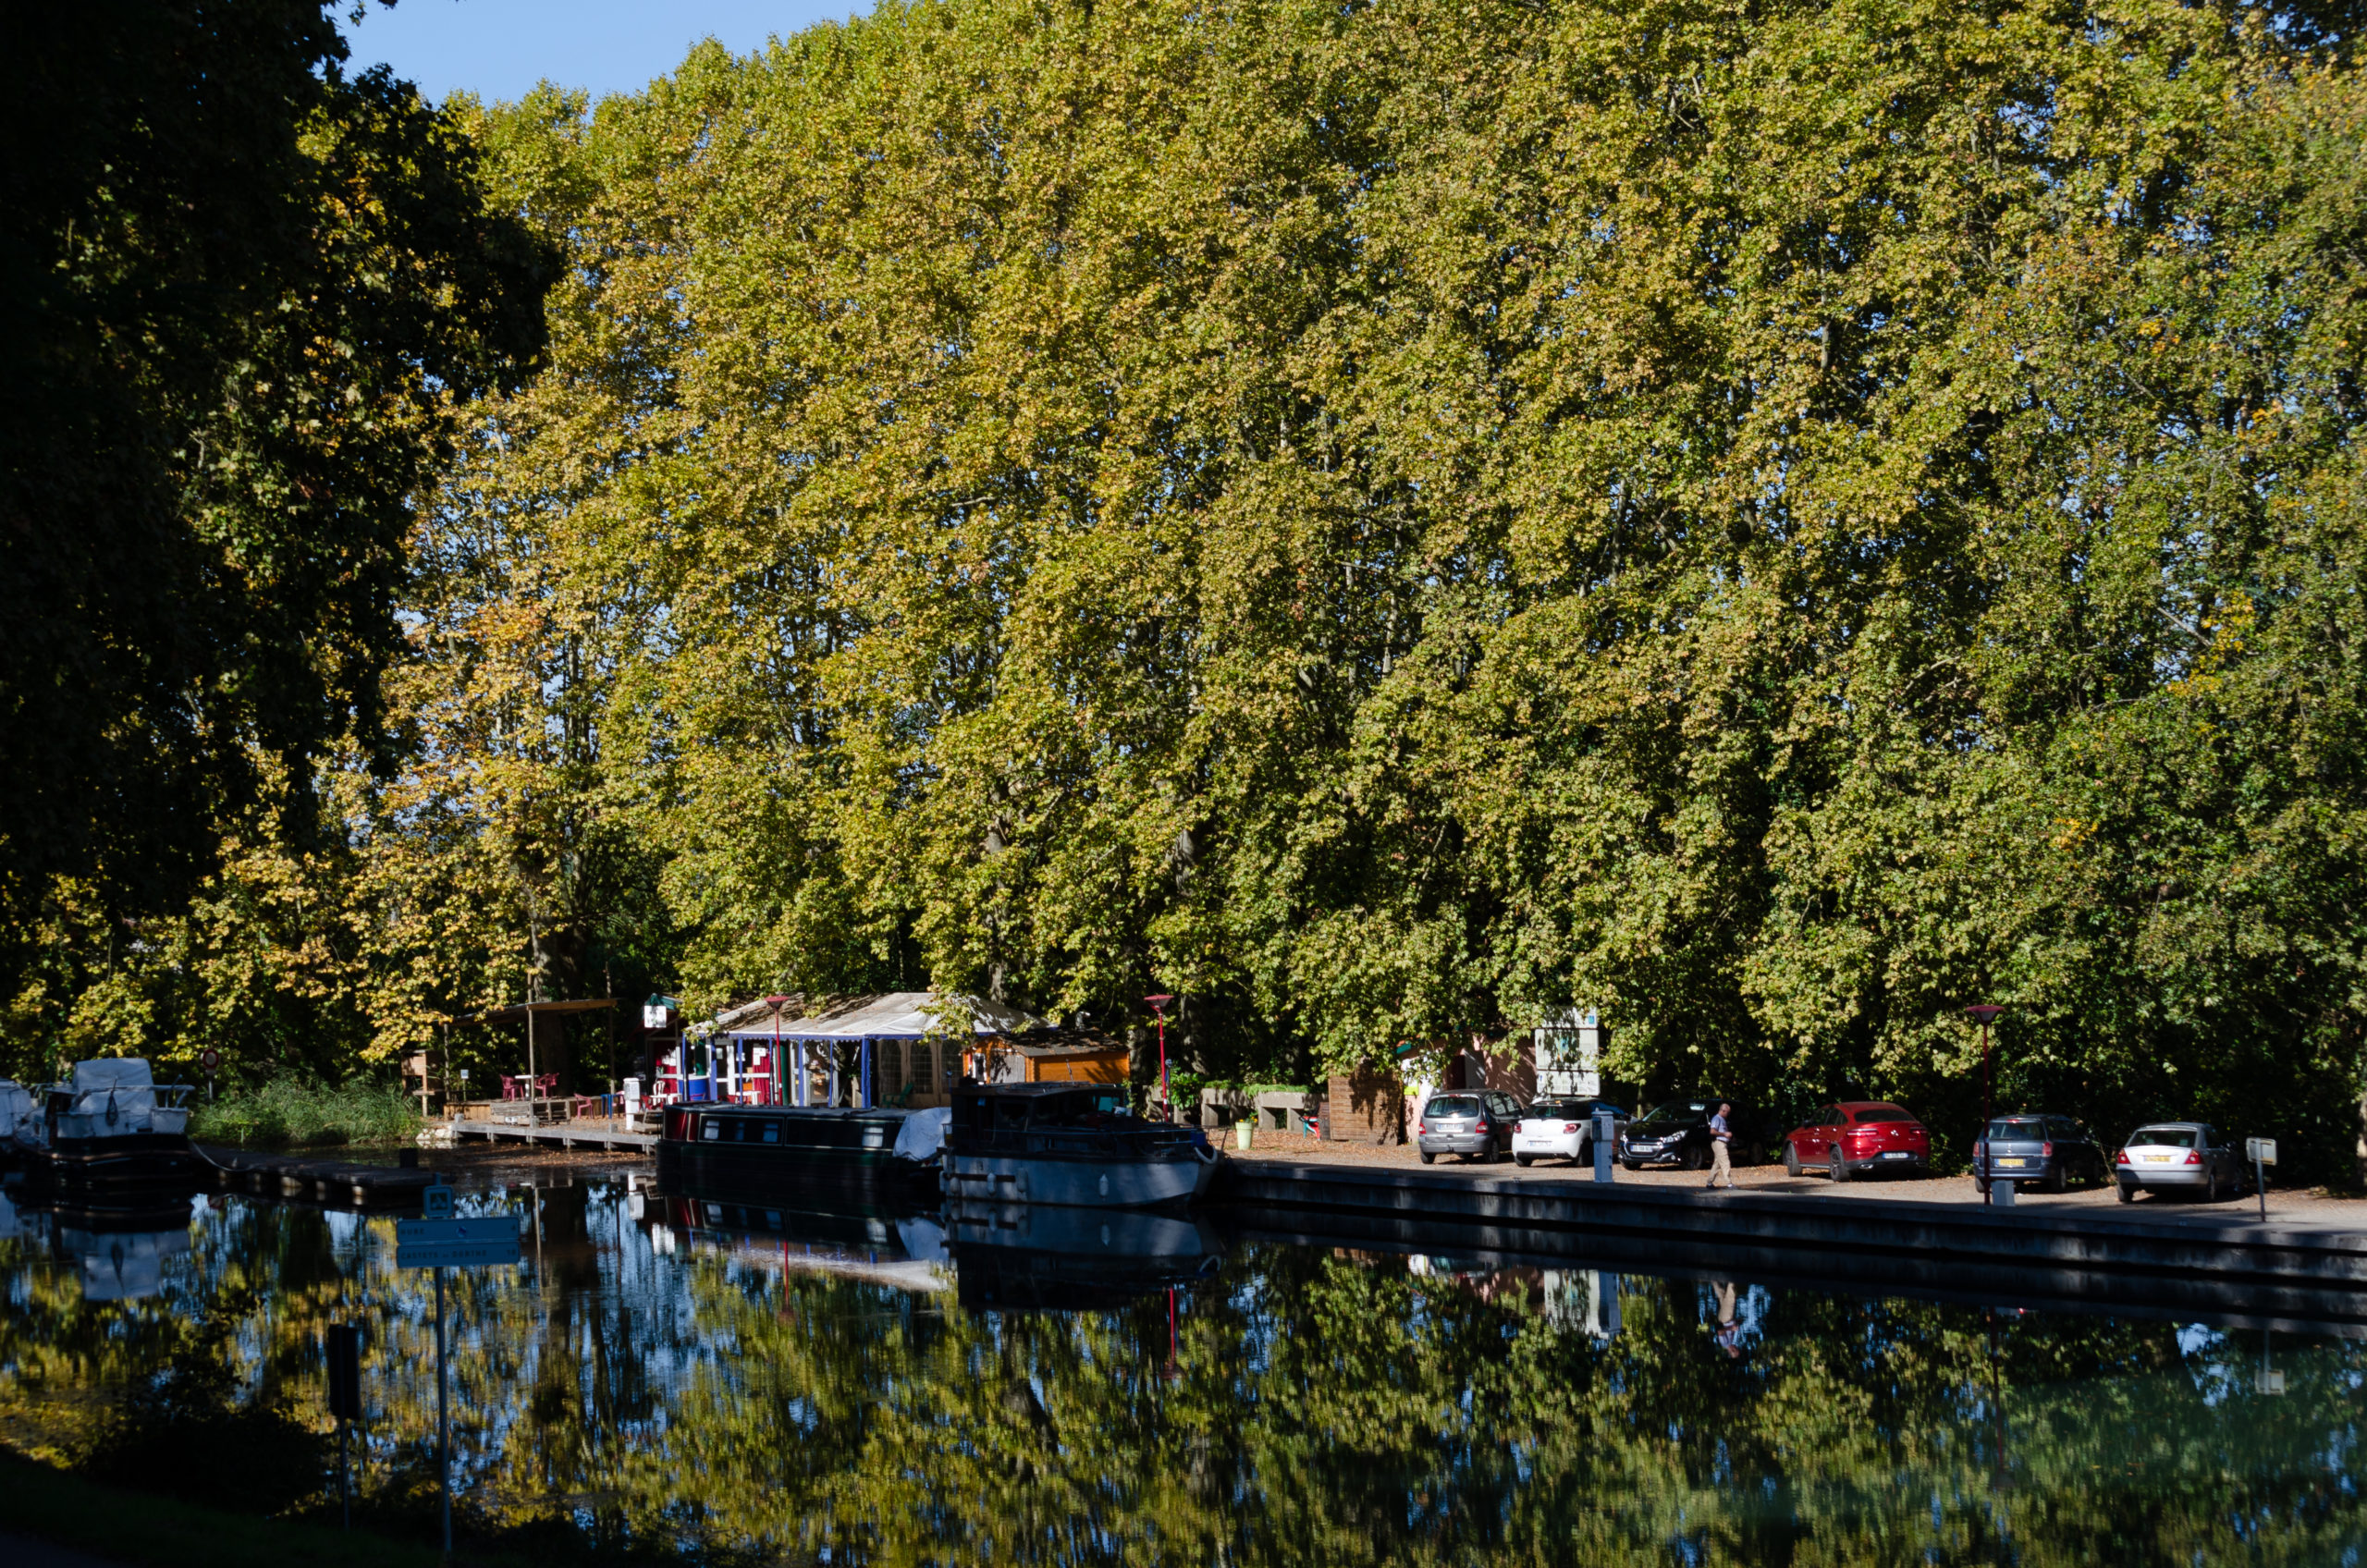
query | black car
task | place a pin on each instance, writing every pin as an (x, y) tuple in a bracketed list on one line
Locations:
[(2048, 1151), (1677, 1133)]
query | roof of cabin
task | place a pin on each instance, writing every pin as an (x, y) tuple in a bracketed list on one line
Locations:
[(896, 1015)]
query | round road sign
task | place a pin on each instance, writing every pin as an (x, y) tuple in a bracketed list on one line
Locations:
[(209, 1058)]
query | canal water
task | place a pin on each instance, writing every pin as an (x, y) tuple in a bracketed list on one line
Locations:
[(673, 1379)]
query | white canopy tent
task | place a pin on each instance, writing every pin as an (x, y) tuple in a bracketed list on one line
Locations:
[(843, 1036)]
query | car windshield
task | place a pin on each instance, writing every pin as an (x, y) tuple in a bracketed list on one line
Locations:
[(2164, 1137), (1452, 1104), (2014, 1127), (1676, 1113), (1567, 1110), (1884, 1113)]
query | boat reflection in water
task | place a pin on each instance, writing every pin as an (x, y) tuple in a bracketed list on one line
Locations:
[(118, 1253), (786, 1234), (1032, 1257), (1000, 1257)]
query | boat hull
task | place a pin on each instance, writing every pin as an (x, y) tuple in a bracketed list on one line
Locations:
[(133, 1162), (1081, 1180), (773, 1148)]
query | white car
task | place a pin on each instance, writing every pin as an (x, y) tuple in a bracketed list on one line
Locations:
[(1562, 1128)]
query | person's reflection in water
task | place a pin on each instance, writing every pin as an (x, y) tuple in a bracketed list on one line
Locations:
[(1729, 1331)]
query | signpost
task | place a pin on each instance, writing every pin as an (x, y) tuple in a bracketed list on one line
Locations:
[(345, 1402), (2261, 1152), (209, 1062), (440, 1242)]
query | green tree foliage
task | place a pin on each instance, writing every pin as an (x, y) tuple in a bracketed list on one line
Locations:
[(242, 292), (1387, 520)]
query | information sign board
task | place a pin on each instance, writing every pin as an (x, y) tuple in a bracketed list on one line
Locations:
[(2261, 1151), (456, 1244)]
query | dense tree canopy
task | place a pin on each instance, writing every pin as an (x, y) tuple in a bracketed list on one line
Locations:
[(241, 292), (1772, 522)]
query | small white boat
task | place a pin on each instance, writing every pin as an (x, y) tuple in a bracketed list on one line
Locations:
[(113, 1126), (1071, 1144)]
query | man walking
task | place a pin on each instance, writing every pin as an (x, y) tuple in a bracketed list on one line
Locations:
[(1721, 1164)]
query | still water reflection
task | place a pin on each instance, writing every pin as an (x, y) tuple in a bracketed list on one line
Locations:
[(728, 1381)]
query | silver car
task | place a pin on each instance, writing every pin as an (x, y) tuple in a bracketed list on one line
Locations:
[(1474, 1123), (2179, 1156)]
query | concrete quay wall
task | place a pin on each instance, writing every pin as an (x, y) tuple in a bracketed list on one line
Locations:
[(1701, 1223)]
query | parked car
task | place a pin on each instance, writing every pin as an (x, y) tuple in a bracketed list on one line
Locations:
[(1562, 1128), (1677, 1133), (2053, 1151), (1474, 1123), (1852, 1135), (2180, 1157)]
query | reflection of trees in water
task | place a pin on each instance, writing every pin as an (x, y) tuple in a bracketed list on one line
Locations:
[(1326, 1408)]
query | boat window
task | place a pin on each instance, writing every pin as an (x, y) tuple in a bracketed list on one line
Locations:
[(710, 1129), (772, 1132), (1010, 1114)]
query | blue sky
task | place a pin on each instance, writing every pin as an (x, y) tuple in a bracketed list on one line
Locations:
[(501, 48)]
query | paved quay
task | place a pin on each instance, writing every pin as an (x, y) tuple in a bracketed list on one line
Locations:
[(2305, 1269), (2297, 1208)]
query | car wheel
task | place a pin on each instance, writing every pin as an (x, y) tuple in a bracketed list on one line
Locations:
[(1429, 1158), (2059, 1180), (1791, 1160), (1981, 1186), (2211, 1186), (1836, 1168), (2128, 1193), (1522, 1161), (1697, 1160), (1631, 1165)]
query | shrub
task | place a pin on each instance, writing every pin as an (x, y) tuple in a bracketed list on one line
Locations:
[(287, 1111)]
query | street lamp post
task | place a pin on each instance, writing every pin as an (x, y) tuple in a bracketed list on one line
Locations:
[(1984, 1015), (1158, 1008)]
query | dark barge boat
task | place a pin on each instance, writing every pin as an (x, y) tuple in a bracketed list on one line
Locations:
[(756, 1148), (1072, 1144)]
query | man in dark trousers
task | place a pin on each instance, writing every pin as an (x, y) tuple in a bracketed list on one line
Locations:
[(1721, 1136)]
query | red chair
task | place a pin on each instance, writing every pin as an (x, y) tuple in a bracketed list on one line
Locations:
[(508, 1087)]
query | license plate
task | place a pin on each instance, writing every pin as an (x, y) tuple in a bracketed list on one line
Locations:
[(2154, 1158), (2013, 1162), (1900, 1153)]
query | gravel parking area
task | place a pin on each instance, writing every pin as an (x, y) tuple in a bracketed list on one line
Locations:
[(2313, 1207)]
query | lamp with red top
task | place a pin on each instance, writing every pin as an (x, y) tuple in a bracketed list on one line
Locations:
[(1158, 1008), (1984, 1015)]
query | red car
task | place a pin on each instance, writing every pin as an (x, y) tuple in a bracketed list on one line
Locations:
[(1841, 1140)]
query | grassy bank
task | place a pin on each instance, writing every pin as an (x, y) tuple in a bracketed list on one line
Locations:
[(135, 1528), (283, 1114)]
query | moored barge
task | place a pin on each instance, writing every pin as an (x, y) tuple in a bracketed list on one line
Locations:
[(1071, 1144), (750, 1147)]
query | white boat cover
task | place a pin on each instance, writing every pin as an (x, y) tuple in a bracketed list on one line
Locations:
[(114, 1096), (898, 1015), (16, 1109), (923, 1134), (112, 1072)]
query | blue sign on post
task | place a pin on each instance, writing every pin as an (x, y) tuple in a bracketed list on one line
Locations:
[(439, 1243), (456, 1244)]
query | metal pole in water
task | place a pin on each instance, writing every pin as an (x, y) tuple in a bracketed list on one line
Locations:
[(443, 1415)]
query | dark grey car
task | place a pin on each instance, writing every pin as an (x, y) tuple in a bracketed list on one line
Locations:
[(1474, 1123), (2046, 1151)]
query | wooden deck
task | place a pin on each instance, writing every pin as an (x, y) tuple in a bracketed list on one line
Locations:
[(556, 1135)]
